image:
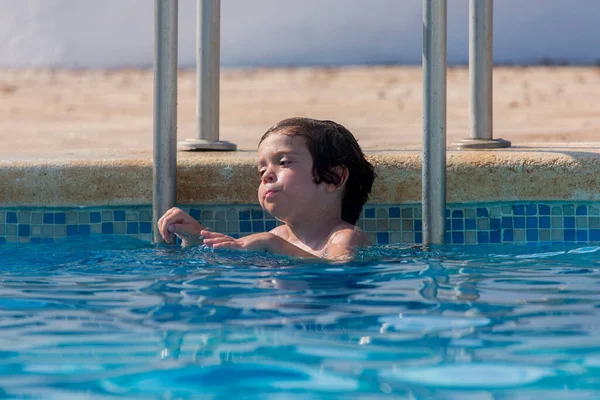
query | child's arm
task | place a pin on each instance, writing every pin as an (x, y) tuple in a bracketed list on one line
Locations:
[(266, 241)]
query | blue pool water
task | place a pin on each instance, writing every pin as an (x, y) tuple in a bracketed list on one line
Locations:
[(117, 318)]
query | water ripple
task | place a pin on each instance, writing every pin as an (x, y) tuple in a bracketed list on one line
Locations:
[(123, 318)]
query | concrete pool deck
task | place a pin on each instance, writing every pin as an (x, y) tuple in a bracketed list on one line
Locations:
[(78, 138)]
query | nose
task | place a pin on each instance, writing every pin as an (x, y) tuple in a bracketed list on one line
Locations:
[(269, 176)]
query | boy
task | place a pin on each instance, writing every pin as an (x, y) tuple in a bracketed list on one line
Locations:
[(314, 178)]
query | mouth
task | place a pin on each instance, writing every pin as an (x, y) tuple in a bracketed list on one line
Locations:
[(270, 193)]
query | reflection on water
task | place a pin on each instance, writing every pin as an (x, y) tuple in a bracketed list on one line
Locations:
[(98, 318)]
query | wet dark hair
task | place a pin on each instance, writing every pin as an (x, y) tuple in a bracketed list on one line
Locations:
[(331, 145)]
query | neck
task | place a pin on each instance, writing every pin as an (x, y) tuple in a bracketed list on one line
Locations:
[(313, 230)]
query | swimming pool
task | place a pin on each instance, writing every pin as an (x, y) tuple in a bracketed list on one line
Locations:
[(112, 316)]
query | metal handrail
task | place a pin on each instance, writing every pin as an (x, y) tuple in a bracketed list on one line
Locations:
[(434, 121), (208, 57), (164, 173), (481, 64)]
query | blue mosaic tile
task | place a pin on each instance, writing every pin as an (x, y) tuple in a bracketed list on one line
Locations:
[(48, 218), (529, 223), (483, 237), (245, 227), (519, 223), (531, 209), (581, 210), (72, 230), (495, 237), (95, 217), (519, 209), (11, 217), (458, 237), (270, 225), (60, 218), (470, 224), (195, 213), (569, 222), (532, 235), (48, 240), (133, 228), (457, 224), (145, 227), (258, 226), (383, 237), (569, 235), (495, 224), (418, 237), (119, 215), (2, 240), (418, 225), (257, 214), (107, 228), (24, 230)]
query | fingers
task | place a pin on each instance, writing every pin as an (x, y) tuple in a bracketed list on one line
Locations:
[(168, 223), (218, 240), (206, 233), (228, 245), (163, 227), (214, 237)]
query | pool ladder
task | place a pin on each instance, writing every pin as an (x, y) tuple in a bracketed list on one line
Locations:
[(434, 101)]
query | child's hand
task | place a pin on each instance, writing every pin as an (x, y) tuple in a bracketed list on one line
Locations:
[(182, 225), (257, 242)]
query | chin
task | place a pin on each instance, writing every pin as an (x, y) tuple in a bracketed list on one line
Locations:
[(275, 211)]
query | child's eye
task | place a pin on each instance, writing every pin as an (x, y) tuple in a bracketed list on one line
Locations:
[(284, 162)]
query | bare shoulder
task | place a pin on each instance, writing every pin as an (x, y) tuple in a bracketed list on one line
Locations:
[(283, 231), (347, 237)]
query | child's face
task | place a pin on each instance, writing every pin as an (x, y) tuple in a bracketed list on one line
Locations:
[(287, 188)]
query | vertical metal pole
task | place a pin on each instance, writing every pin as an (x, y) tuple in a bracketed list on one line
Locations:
[(208, 58), (434, 121), (164, 179), (481, 64)]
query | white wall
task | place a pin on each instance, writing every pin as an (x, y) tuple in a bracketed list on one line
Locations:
[(119, 33)]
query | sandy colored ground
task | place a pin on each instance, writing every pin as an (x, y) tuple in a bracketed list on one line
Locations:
[(84, 113)]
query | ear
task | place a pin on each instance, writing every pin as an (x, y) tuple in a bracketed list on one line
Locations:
[(343, 173)]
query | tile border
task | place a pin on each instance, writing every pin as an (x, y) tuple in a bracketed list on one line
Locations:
[(473, 223)]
